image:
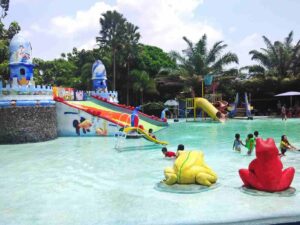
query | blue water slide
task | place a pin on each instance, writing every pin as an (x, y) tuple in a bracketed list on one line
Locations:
[(247, 105), (232, 113)]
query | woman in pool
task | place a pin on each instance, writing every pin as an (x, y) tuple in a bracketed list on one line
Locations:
[(285, 145)]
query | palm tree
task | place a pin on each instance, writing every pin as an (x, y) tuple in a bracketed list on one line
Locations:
[(132, 37), (112, 35), (200, 61), (280, 59), (141, 82)]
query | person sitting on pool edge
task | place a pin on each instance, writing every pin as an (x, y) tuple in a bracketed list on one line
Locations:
[(168, 153), (179, 148), (150, 132), (285, 145)]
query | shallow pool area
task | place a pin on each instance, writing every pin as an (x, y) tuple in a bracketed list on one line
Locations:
[(84, 180)]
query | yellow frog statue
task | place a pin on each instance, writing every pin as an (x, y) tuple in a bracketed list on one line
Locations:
[(190, 168)]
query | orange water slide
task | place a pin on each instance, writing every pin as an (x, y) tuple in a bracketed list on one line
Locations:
[(120, 119)]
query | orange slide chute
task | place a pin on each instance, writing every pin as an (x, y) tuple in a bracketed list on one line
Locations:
[(120, 119)]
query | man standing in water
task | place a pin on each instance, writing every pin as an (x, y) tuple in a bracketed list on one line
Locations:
[(283, 112)]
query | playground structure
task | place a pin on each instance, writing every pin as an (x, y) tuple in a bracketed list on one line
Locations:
[(206, 106), (100, 107), (236, 111), (77, 113)]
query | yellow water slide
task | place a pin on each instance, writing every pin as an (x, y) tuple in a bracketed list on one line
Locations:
[(145, 135), (208, 108)]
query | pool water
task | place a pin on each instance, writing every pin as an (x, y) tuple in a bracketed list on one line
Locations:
[(75, 181)]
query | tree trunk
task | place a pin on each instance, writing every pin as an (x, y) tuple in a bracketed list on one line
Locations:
[(127, 85), (142, 100), (114, 69)]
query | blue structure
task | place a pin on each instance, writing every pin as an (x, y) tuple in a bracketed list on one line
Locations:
[(248, 107), (233, 112), (163, 114), (20, 61), (99, 76), (134, 118)]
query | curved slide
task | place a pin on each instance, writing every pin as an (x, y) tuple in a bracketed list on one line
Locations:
[(209, 109), (145, 135)]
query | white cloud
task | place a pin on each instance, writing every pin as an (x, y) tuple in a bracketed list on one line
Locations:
[(25, 33), (83, 21), (232, 29), (90, 44), (244, 46), (164, 23), (250, 40), (161, 23)]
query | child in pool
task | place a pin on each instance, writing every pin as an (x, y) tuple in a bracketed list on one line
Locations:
[(150, 132), (250, 143), (237, 143), (256, 134), (167, 153), (285, 145), (179, 148)]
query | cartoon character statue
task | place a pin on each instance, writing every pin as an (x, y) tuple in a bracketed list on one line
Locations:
[(84, 124), (99, 76), (134, 119), (163, 114), (265, 172), (190, 168)]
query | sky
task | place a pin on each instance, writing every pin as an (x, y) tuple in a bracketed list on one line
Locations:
[(56, 26)]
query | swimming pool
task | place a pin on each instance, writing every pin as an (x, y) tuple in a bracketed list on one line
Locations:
[(74, 181)]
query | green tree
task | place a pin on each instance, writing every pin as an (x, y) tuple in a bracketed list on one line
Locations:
[(13, 29), (199, 61), (5, 36), (152, 59), (58, 72), (142, 83), (279, 59), (112, 35), (131, 48)]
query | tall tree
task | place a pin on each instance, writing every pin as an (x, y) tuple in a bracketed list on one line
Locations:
[(142, 83), (200, 61), (279, 59), (5, 36), (132, 37), (112, 35)]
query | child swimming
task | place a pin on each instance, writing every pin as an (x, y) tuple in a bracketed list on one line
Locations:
[(150, 132), (179, 148), (237, 143), (167, 153), (256, 134), (250, 143)]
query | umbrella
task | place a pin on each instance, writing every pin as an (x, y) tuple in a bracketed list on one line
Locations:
[(289, 93), (171, 103)]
